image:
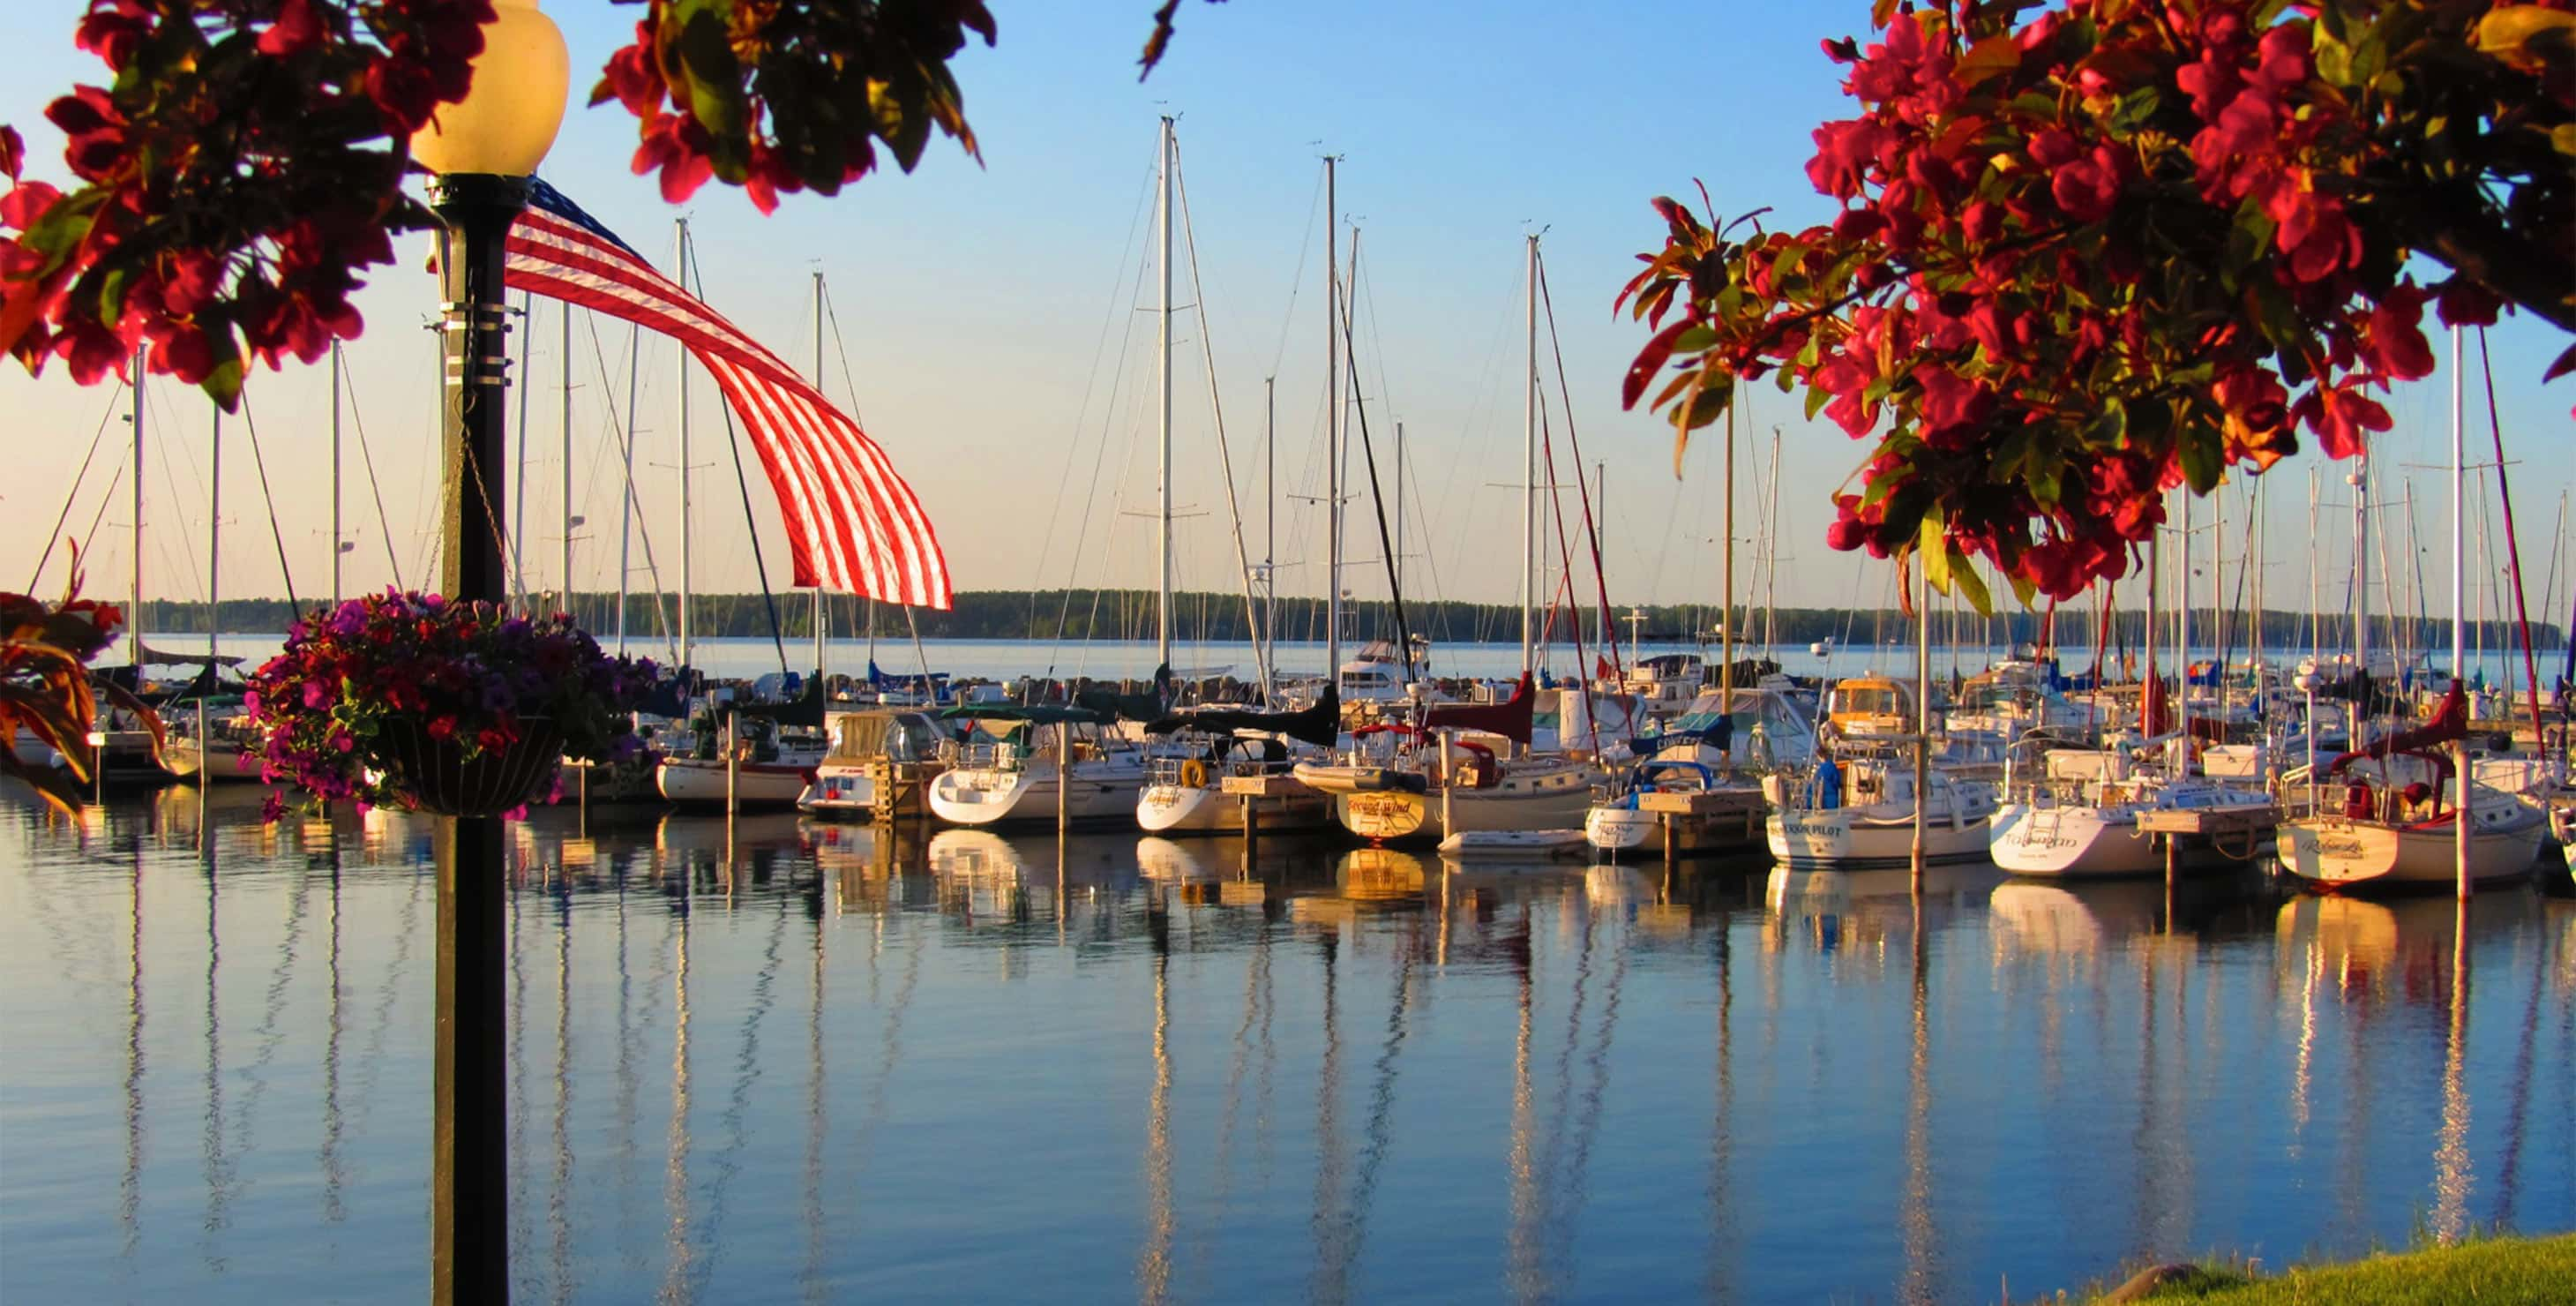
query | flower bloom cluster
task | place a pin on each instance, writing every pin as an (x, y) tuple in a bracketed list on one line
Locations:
[(781, 98), (2082, 260), (245, 163), (464, 672)]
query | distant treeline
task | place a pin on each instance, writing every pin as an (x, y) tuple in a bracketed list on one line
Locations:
[(1202, 616)]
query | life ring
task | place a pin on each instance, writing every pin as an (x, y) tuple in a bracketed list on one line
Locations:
[(1193, 774)]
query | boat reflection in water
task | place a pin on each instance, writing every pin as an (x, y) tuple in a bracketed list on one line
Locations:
[(769, 1059)]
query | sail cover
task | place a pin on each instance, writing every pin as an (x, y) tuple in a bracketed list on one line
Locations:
[(1320, 724), (853, 524), (1511, 720), (2450, 721)]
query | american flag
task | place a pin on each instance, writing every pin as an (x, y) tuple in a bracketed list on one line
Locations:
[(853, 525)]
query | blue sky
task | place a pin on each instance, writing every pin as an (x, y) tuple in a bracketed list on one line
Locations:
[(990, 326)]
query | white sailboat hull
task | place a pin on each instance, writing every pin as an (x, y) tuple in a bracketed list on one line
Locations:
[(985, 796), (2072, 842), (695, 782), (222, 762), (2339, 852), (1553, 802), (1186, 809), (1850, 838)]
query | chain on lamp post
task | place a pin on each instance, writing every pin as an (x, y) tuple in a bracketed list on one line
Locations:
[(482, 150)]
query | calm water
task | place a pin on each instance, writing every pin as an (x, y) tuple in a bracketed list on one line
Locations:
[(823, 1070)]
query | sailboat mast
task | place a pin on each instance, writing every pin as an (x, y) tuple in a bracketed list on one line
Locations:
[(1771, 555), (1163, 353), (680, 260), (1395, 566), (2462, 816), (2182, 619), (1332, 432), (1529, 475), (519, 466), (626, 495), (2360, 480), (134, 606), (1269, 633), (822, 616), (1601, 504), (335, 474), (1726, 624), (214, 575), (564, 559)]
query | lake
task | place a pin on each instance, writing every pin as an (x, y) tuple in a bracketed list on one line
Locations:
[(805, 1063)]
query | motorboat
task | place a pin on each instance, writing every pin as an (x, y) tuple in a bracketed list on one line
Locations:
[(900, 748), (1514, 845)]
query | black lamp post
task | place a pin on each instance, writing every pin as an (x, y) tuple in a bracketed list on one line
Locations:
[(483, 150)]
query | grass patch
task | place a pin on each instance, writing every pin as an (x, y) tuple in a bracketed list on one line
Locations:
[(2491, 1272)]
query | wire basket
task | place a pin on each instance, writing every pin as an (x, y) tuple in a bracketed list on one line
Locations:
[(438, 778)]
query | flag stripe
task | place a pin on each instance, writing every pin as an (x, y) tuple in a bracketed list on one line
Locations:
[(853, 524)]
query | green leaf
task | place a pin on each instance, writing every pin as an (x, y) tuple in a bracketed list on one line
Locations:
[(2202, 455), (1972, 587), (1929, 541), (111, 293), (2109, 428), (2023, 589), (2137, 109), (694, 37)]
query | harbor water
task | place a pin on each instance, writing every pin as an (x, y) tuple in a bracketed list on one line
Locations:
[(781, 1061)]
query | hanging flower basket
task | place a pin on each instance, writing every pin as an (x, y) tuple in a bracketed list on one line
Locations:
[(439, 777), (461, 709)]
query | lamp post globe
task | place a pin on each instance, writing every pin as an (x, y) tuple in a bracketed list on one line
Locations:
[(481, 151), (508, 118)]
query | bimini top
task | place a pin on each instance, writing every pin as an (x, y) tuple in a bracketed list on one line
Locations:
[(1041, 714)]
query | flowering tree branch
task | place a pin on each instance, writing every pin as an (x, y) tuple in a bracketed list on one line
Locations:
[(2122, 247), (246, 161)]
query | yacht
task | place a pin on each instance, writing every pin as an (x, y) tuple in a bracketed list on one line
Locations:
[(868, 746)]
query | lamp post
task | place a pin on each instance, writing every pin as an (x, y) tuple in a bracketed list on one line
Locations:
[(482, 150)]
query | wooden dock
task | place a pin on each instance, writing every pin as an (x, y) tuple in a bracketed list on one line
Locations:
[(1705, 820)]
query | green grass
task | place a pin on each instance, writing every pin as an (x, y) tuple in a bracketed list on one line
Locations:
[(2490, 1272)]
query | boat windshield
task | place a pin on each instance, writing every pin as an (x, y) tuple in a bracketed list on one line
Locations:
[(1869, 700)]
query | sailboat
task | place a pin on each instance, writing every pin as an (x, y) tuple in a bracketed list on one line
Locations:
[(1184, 788), (2391, 815), (2081, 817), (1853, 808), (1037, 765), (1453, 776)]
